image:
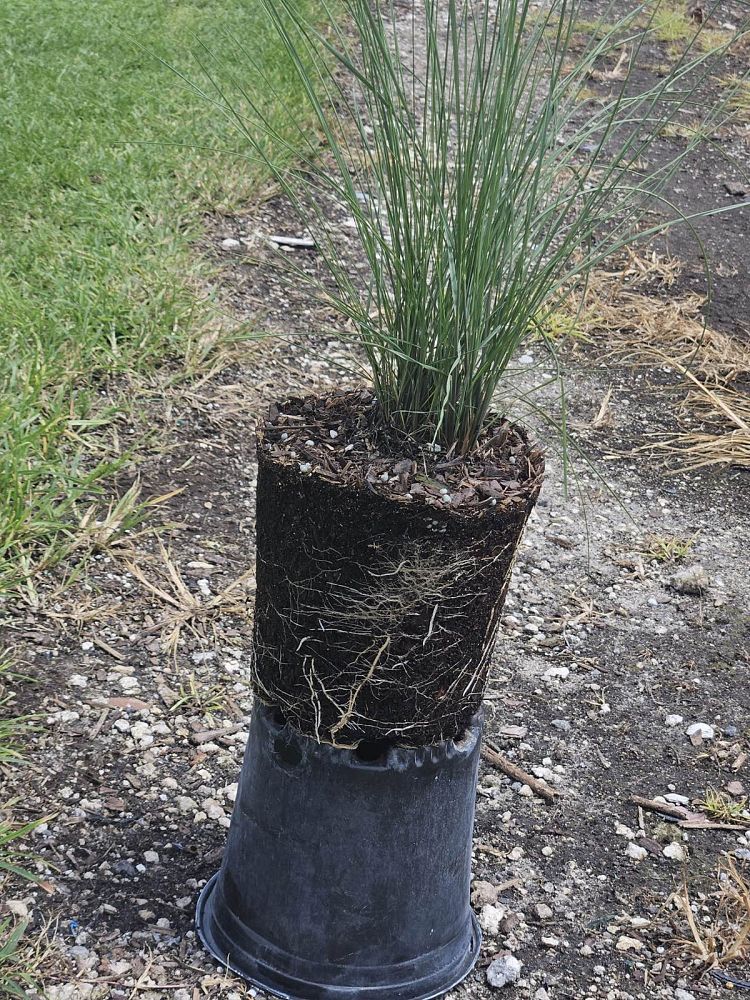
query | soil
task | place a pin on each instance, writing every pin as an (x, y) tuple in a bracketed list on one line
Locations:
[(626, 623), (381, 570)]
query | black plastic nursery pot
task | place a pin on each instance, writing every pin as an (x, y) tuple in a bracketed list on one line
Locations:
[(382, 567), (347, 871)]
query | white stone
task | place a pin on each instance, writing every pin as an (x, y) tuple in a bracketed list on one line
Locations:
[(626, 943), (77, 681), (490, 918), (636, 852), (624, 831), (675, 852), (503, 971), (673, 720), (128, 683), (701, 729), (230, 244), (151, 857)]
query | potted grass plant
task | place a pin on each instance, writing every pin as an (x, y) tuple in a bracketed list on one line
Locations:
[(484, 183)]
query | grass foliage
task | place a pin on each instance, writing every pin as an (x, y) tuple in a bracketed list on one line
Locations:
[(108, 160), (479, 188)]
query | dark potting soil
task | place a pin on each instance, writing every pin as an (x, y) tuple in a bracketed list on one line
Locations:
[(342, 438), (382, 569)]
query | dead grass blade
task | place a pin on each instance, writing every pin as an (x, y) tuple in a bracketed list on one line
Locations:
[(185, 609), (647, 330), (718, 927)]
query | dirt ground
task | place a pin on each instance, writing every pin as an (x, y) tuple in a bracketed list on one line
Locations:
[(626, 624)]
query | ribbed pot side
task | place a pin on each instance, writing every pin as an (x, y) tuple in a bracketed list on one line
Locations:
[(346, 875), (375, 617)]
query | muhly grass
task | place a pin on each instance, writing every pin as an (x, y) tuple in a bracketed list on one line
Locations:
[(483, 181), (108, 161)]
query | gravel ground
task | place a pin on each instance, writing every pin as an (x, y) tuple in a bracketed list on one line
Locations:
[(625, 627)]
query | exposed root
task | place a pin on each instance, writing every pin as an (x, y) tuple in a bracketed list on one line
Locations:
[(407, 610)]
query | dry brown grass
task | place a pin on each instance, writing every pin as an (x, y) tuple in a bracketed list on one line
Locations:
[(184, 609), (672, 334), (716, 927)]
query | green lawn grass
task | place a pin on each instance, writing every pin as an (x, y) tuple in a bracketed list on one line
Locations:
[(101, 191)]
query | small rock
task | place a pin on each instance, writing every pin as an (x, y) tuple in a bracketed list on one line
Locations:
[(151, 857), (701, 730), (562, 724), (491, 917), (556, 674), (185, 804), (742, 853), (128, 683), (624, 831), (483, 893), (543, 911), (673, 720), (213, 809), (147, 915), (503, 970), (125, 868), (550, 941), (526, 359), (691, 580), (77, 681), (636, 852), (683, 995), (230, 244), (675, 852), (18, 908), (678, 800), (625, 943)]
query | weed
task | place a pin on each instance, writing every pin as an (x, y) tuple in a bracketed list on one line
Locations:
[(667, 548), (195, 694), (723, 808)]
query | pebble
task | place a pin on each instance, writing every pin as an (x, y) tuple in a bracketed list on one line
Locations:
[(625, 943), (77, 681), (683, 995), (491, 917), (673, 720), (550, 941), (624, 831), (636, 852), (543, 911), (483, 893), (691, 580), (230, 244), (213, 809), (503, 970), (18, 908), (562, 724), (678, 800), (556, 673), (151, 857), (185, 804), (675, 852), (701, 729), (128, 683)]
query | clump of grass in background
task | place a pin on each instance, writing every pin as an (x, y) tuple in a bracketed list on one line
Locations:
[(479, 190), (108, 161)]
